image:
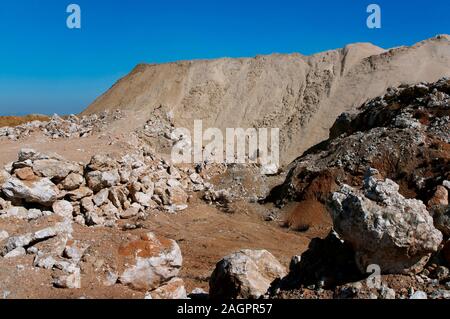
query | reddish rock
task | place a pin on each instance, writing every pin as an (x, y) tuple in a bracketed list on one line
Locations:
[(149, 262), (440, 197), (25, 174)]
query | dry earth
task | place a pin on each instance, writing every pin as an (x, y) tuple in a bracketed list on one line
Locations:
[(303, 95)]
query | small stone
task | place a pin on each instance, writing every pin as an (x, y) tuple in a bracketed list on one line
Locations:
[(75, 250), (19, 251), (269, 169), (174, 289), (440, 197), (196, 178), (441, 273), (25, 174), (87, 204), (3, 235), (245, 274), (63, 208), (55, 168), (92, 219), (101, 197), (79, 193), (27, 154), (143, 199), (71, 281), (446, 184), (72, 182), (130, 212), (111, 279), (46, 262), (150, 262), (419, 295), (41, 191)]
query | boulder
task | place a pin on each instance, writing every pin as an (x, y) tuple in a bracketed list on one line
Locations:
[(149, 262), (176, 196), (440, 197), (383, 227), (41, 191), (118, 196), (246, 274), (28, 239)]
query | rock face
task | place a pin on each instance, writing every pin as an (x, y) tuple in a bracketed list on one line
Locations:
[(245, 274), (41, 191), (152, 261), (383, 227)]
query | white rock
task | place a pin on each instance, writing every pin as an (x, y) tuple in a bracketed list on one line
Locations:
[(384, 228), (419, 295), (245, 274), (98, 180), (446, 184), (269, 169), (101, 197), (43, 191), (71, 281)]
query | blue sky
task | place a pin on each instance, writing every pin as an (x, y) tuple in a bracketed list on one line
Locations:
[(46, 67)]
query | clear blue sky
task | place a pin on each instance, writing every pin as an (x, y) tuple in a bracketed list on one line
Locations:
[(46, 67)]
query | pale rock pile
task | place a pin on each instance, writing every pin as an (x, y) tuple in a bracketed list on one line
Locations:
[(383, 227), (47, 187), (152, 264), (99, 193), (58, 127)]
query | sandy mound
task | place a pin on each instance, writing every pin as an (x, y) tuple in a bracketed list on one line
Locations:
[(302, 95)]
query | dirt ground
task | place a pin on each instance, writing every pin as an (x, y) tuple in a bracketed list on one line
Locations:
[(204, 233)]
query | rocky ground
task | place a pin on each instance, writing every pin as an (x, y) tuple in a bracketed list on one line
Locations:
[(91, 207)]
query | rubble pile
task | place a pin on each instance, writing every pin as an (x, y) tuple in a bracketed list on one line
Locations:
[(71, 126), (97, 194)]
